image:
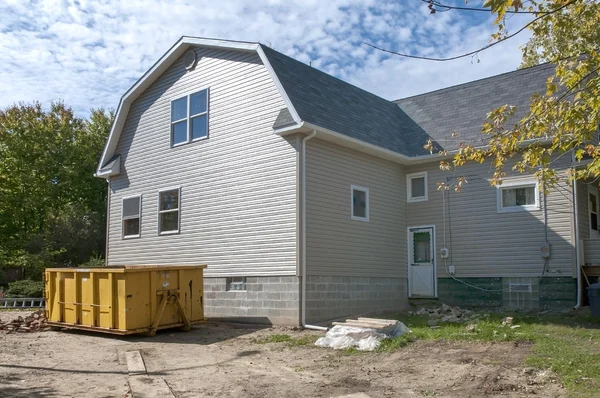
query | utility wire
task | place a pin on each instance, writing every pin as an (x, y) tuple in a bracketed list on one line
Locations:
[(435, 3), (470, 53)]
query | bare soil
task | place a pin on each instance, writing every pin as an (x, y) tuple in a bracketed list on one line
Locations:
[(216, 360)]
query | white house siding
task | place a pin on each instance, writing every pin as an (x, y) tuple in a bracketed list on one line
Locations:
[(238, 188), (353, 266), (485, 243)]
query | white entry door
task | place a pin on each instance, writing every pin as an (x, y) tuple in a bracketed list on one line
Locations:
[(421, 262)]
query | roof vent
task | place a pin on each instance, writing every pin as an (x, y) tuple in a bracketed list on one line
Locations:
[(189, 60)]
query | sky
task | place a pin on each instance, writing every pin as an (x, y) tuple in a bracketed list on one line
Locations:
[(87, 53)]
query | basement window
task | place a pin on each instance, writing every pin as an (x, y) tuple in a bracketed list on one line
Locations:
[(131, 216), (168, 211), (359, 203), (189, 118), (519, 287), (416, 187), (236, 284), (518, 196)]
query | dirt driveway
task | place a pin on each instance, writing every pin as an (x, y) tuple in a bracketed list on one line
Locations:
[(226, 361)]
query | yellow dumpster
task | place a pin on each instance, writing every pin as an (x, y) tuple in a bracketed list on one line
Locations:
[(125, 299)]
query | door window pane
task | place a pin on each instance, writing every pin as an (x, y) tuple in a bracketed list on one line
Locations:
[(421, 247)]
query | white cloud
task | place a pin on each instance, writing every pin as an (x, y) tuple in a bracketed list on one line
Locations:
[(88, 53)]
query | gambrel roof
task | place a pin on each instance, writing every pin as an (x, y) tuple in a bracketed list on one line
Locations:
[(346, 114)]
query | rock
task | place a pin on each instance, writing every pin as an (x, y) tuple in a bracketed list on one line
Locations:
[(471, 328), (515, 326), (432, 322)]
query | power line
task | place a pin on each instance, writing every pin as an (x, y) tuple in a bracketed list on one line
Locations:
[(471, 53)]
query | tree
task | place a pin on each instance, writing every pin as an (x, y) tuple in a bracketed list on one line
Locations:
[(52, 209), (566, 117)]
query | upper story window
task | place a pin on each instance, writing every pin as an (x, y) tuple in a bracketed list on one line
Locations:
[(168, 211), (131, 214), (189, 118), (360, 203), (416, 187), (518, 196)]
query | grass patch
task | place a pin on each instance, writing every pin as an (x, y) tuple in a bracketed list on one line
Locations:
[(568, 344), (288, 340)]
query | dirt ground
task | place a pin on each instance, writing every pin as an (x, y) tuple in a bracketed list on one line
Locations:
[(216, 360)]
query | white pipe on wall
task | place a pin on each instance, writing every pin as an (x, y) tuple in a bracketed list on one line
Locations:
[(303, 227), (577, 259)]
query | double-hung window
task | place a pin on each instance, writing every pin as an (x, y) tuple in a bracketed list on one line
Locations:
[(168, 211), (518, 196), (131, 214), (189, 118)]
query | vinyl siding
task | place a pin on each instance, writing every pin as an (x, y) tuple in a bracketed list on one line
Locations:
[(583, 215), (238, 187), (338, 245), (485, 243)]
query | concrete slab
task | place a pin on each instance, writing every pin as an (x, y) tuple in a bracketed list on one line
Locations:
[(135, 363), (149, 387)]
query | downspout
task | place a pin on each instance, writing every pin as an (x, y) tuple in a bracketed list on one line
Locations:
[(107, 221), (303, 227), (577, 260)]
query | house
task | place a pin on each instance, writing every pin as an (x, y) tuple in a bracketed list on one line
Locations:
[(310, 199)]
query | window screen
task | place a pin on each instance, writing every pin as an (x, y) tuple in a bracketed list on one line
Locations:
[(131, 216)]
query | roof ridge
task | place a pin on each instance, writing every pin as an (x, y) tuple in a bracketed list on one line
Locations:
[(218, 39), (325, 73), (472, 82)]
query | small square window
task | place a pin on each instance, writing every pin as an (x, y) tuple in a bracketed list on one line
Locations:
[(236, 284), (359, 203), (518, 196), (416, 187), (130, 216), (168, 211)]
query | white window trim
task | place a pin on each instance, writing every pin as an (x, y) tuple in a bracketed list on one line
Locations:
[(159, 212), (409, 178), (139, 234), (520, 183), (189, 117), (367, 212)]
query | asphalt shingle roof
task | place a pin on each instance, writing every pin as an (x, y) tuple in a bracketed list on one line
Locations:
[(331, 103), (463, 108)]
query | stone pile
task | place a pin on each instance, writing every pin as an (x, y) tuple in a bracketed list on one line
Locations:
[(35, 322), (446, 314)]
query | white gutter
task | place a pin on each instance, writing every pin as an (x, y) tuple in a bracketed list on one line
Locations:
[(303, 240), (577, 260)]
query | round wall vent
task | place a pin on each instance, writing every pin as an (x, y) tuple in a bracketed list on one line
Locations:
[(189, 60)]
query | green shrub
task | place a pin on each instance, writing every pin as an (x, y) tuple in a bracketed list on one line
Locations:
[(25, 288)]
